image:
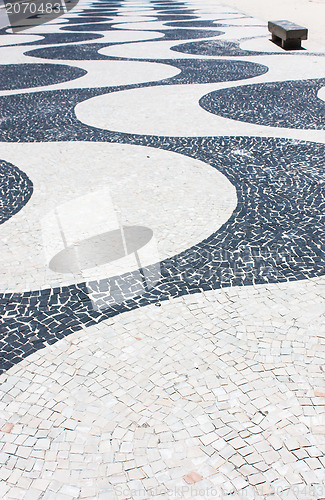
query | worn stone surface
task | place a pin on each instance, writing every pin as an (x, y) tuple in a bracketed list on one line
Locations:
[(218, 385)]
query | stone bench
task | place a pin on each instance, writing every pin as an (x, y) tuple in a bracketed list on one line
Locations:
[(287, 33)]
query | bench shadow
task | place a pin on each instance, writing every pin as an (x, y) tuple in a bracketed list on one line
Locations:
[(278, 43)]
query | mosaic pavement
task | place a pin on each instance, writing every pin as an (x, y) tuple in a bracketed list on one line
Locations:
[(162, 257)]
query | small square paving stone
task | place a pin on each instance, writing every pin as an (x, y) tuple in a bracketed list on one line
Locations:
[(7, 427), (192, 478), (136, 474), (256, 479)]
